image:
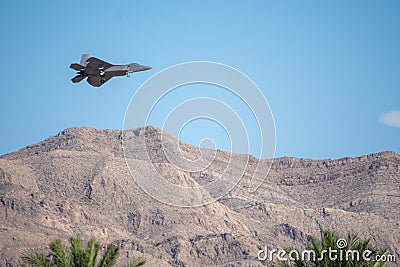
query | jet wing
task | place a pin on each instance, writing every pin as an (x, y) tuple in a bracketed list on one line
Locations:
[(98, 81), (95, 63)]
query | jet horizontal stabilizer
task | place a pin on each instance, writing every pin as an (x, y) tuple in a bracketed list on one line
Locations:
[(77, 66), (77, 78)]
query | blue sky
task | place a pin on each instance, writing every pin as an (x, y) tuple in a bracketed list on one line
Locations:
[(330, 70)]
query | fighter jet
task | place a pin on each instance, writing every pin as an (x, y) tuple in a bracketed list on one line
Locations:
[(98, 71)]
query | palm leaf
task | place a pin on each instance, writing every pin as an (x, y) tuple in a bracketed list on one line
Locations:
[(91, 252), (136, 262), (60, 253), (77, 252), (36, 259), (110, 256)]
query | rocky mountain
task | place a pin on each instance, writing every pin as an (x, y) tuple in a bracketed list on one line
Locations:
[(78, 183)]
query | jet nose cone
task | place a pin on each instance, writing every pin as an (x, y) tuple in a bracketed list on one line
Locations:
[(137, 67)]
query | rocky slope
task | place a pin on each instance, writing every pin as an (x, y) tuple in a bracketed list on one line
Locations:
[(78, 183)]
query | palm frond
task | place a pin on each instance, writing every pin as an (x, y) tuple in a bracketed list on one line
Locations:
[(110, 256), (77, 252), (136, 262), (91, 252), (60, 253), (380, 264), (281, 264), (36, 259)]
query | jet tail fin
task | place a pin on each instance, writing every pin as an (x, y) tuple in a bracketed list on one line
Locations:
[(84, 58), (77, 78)]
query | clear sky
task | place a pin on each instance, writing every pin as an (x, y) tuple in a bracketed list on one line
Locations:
[(330, 70)]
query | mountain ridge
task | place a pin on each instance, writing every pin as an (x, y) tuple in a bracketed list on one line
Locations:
[(77, 182), (155, 130)]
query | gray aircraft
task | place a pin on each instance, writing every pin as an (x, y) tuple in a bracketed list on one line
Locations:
[(98, 71)]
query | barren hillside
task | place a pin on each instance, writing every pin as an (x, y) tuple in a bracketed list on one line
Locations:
[(78, 183)]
